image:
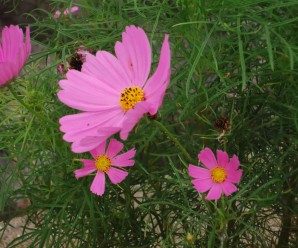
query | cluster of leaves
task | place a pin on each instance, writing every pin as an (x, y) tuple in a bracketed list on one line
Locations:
[(233, 87)]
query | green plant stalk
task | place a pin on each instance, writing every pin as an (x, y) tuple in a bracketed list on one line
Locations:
[(223, 232), (172, 138)]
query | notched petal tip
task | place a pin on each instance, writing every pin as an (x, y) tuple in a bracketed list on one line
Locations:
[(98, 184), (214, 193), (234, 163), (207, 158), (166, 39), (222, 158), (116, 176)]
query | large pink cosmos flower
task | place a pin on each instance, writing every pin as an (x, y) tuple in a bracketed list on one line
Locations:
[(220, 175), (104, 162), (113, 92), (13, 52)]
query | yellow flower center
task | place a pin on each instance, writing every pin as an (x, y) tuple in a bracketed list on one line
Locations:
[(103, 163), (218, 174), (130, 97)]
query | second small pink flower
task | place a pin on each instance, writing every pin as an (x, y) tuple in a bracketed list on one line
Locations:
[(106, 161), (220, 175)]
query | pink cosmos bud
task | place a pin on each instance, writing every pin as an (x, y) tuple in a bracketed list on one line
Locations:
[(60, 69), (66, 12), (57, 14), (72, 10), (254, 80)]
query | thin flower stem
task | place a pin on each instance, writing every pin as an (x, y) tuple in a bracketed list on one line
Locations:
[(28, 107), (172, 138), (224, 228), (225, 145)]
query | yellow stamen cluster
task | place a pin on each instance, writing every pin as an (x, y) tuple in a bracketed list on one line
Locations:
[(103, 163), (218, 174), (130, 97)]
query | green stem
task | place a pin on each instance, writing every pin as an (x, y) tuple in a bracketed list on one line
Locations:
[(225, 144), (28, 107), (223, 225), (172, 138)]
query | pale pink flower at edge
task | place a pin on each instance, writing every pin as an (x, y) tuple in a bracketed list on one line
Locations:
[(113, 91), (106, 161), (13, 52), (220, 175), (81, 51), (66, 12)]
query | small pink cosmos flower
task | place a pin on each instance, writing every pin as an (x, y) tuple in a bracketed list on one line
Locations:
[(220, 175), (13, 52), (106, 162), (113, 92), (66, 12)]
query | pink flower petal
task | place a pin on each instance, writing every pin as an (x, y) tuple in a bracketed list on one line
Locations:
[(156, 100), (132, 118), (99, 150), (157, 84), (74, 9), (7, 72), (124, 163), (233, 164), (234, 176), (89, 167), (88, 163), (99, 183), (89, 120), (116, 175), (81, 102), (89, 143), (123, 159), (202, 185), (222, 158), (97, 132), (13, 52), (228, 188), (12, 41), (198, 172), (86, 93), (134, 54), (107, 69), (114, 148), (87, 129), (215, 192), (207, 158)]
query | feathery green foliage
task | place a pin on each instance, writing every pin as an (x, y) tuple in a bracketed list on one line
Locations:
[(231, 60)]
